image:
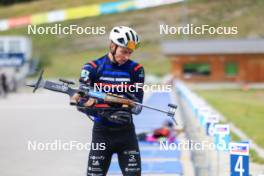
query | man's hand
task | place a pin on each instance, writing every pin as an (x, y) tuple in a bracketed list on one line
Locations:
[(90, 102), (136, 109), (77, 99)]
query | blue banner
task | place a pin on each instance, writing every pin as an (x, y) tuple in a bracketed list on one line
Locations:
[(115, 7), (11, 59)]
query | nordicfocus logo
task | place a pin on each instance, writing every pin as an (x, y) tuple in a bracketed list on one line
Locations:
[(190, 29), (137, 87), (58, 145), (58, 29), (191, 145)]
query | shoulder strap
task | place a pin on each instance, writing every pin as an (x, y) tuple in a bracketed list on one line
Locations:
[(134, 67), (93, 64), (137, 67)]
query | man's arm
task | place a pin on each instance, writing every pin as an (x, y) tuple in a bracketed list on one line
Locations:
[(139, 80), (87, 76)]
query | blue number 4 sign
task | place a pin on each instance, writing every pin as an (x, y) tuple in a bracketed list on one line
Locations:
[(239, 159)]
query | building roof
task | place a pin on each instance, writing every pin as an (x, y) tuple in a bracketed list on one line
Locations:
[(186, 47)]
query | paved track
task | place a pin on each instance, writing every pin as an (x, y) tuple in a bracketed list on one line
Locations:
[(42, 117)]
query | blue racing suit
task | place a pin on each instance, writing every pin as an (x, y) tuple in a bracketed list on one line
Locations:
[(107, 76)]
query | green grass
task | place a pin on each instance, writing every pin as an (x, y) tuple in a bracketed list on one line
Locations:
[(69, 65), (246, 15), (254, 157), (243, 108)]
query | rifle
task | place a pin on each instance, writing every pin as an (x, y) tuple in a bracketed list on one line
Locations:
[(88, 91)]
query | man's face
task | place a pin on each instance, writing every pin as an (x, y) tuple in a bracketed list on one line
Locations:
[(122, 55)]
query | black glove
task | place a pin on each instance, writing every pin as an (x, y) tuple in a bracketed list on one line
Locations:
[(137, 108), (121, 117)]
